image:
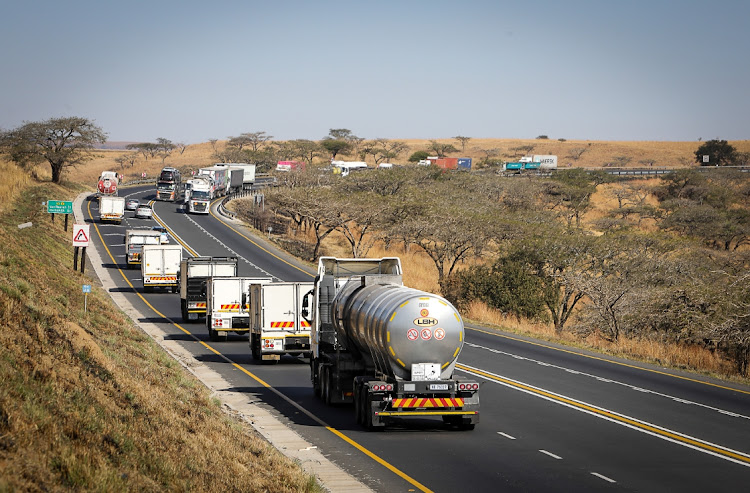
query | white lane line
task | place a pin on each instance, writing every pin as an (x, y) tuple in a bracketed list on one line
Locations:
[(602, 476), (639, 425), (506, 435), (551, 454), (601, 379)]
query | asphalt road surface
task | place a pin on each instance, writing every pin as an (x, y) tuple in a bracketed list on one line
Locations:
[(552, 418)]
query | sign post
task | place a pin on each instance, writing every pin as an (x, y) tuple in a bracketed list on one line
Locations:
[(60, 207), (80, 239), (86, 288)]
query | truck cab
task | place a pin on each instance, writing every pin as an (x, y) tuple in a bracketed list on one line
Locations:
[(134, 241)]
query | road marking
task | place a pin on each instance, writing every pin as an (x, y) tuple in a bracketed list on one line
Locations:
[(602, 476), (637, 389), (551, 454), (506, 435), (617, 418), (710, 384)]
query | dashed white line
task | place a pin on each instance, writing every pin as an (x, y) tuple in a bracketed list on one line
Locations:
[(602, 476), (551, 454), (506, 435)]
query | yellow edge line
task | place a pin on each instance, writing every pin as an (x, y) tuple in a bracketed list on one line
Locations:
[(609, 415), (610, 361), (336, 432), (378, 460)]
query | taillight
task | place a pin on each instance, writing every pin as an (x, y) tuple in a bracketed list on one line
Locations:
[(468, 386), (383, 387)]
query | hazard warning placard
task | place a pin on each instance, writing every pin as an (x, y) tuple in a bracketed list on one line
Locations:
[(80, 235)]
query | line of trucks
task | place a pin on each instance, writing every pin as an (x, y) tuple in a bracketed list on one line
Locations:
[(389, 350), (216, 181)]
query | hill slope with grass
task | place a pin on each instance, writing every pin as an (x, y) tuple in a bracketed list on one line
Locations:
[(90, 402)]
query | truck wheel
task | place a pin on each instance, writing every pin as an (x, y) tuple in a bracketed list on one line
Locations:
[(255, 346), (358, 402), (315, 377), (174, 289), (367, 412), (325, 386), (148, 289), (183, 308)]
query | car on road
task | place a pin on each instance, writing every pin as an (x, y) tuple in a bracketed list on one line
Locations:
[(132, 204), (144, 211), (164, 234)]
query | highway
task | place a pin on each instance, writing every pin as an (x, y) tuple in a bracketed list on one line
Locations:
[(552, 418)]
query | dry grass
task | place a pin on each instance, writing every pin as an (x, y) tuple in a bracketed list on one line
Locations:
[(13, 181), (89, 402)]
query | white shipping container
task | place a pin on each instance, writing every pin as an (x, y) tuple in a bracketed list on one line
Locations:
[(548, 161)]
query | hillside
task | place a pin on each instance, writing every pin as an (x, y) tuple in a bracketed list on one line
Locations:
[(88, 402)]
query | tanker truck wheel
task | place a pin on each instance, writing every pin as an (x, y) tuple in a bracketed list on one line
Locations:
[(325, 386), (357, 402), (315, 377)]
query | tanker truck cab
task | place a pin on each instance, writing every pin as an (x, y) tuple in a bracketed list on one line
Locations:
[(388, 349)]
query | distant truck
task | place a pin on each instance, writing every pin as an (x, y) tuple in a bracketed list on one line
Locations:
[(107, 183), (227, 305), (546, 161), (169, 185), (135, 239), (236, 177), (290, 166), (111, 208), (344, 168), (248, 174), (194, 275), (199, 194), (276, 323), (220, 177), (160, 265)]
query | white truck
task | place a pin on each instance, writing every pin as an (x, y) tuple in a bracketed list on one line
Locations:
[(276, 323), (199, 194), (546, 161), (228, 305), (194, 274), (220, 176), (135, 240), (160, 265), (248, 174), (111, 208)]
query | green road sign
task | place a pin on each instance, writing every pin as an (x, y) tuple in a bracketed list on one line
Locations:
[(59, 207)]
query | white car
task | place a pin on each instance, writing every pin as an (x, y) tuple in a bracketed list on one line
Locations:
[(144, 211)]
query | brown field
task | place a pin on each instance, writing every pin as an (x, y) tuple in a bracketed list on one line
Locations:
[(597, 154)]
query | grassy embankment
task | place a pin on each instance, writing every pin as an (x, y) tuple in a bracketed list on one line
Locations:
[(88, 402)]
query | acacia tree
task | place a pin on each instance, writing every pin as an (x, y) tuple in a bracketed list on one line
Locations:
[(463, 140), (61, 142), (719, 152)]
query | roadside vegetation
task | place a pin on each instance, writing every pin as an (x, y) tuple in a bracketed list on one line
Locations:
[(88, 402)]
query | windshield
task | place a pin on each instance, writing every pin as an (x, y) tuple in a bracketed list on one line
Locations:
[(200, 195), (145, 240), (165, 186)]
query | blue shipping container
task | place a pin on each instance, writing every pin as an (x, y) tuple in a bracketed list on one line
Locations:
[(464, 162), (532, 165), (513, 165)]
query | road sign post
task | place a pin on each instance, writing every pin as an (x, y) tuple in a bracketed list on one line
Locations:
[(80, 239), (86, 288)]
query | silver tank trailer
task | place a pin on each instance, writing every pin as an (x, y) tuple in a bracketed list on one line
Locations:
[(399, 326)]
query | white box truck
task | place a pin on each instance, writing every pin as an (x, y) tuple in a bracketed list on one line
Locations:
[(228, 305), (194, 274), (160, 265), (135, 240), (276, 323), (111, 208)]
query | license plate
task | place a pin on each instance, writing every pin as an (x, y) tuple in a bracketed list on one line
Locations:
[(438, 386)]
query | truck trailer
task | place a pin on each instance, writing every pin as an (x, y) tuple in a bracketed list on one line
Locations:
[(388, 349), (228, 305), (220, 177), (111, 208), (276, 323), (160, 265), (135, 240), (194, 275)]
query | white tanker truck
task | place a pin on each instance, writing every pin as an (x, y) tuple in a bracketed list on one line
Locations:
[(389, 349)]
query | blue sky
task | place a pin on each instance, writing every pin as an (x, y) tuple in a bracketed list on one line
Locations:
[(190, 71)]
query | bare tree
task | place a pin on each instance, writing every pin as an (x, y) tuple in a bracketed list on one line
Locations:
[(61, 142), (463, 140)]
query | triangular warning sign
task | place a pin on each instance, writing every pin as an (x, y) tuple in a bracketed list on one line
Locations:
[(81, 237)]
